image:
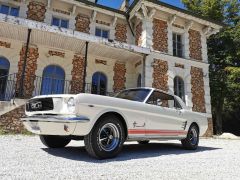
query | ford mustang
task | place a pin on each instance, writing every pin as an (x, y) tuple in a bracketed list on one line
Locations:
[(105, 123)]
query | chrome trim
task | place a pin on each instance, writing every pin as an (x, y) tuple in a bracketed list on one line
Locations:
[(57, 119)]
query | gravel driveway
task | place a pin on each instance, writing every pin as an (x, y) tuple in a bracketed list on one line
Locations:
[(24, 157)]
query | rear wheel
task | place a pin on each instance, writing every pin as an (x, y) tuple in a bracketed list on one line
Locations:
[(143, 142), (192, 139), (54, 141), (106, 138)]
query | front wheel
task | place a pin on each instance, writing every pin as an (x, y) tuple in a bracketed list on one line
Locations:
[(192, 139), (54, 141), (106, 138)]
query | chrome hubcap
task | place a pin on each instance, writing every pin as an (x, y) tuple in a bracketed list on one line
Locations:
[(109, 137), (193, 136)]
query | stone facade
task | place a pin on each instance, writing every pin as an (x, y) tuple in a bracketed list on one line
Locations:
[(121, 32), (160, 35), (209, 132), (36, 11), (77, 74), (160, 76), (119, 77), (197, 90), (138, 36), (82, 23), (195, 46), (10, 122), (31, 68), (56, 53), (5, 44)]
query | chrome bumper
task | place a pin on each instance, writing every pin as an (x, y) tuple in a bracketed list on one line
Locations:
[(54, 125)]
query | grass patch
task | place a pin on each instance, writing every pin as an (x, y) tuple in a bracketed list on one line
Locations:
[(24, 132)]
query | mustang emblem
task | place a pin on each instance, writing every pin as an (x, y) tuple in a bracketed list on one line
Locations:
[(36, 105), (136, 126)]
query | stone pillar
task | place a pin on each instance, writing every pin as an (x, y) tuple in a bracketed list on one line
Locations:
[(31, 67), (170, 37), (204, 48), (195, 45), (36, 11), (147, 33), (121, 32), (160, 75), (160, 35), (119, 77), (82, 23), (77, 74)]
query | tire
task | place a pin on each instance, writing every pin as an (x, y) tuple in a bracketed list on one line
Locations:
[(106, 138), (54, 141), (143, 142), (192, 139)]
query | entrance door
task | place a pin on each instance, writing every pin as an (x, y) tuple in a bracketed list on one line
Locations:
[(53, 80), (4, 69), (99, 83)]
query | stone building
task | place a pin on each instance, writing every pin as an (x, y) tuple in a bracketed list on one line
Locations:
[(72, 46)]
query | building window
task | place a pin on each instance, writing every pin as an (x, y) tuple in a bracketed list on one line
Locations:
[(53, 80), (4, 69), (60, 22), (102, 33), (99, 83), (139, 81), (8, 10), (179, 87), (177, 45)]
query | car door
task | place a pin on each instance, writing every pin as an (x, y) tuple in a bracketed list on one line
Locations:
[(164, 116)]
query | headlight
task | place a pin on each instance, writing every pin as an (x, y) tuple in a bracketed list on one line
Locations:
[(71, 104)]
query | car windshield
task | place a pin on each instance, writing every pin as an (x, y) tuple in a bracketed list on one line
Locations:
[(134, 94)]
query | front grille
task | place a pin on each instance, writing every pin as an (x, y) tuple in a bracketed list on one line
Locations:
[(43, 104)]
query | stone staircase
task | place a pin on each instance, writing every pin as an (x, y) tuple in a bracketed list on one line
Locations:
[(7, 106)]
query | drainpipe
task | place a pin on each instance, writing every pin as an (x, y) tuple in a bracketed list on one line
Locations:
[(21, 93), (85, 67)]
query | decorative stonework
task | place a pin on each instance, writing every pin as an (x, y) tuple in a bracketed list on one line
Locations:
[(160, 35), (99, 61), (5, 44), (82, 23), (197, 90), (56, 53), (160, 76), (61, 11), (103, 23), (36, 11), (209, 132), (121, 32), (10, 122), (31, 67), (77, 74), (179, 65), (195, 45), (138, 36), (178, 26), (119, 78), (138, 64)]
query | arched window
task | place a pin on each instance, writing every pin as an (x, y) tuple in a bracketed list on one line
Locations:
[(99, 83), (4, 69), (179, 87), (53, 80), (139, 81)]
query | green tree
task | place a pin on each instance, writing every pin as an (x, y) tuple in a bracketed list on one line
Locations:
[(224, 54)]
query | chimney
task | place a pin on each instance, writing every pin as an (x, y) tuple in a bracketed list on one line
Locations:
[(125, 5)]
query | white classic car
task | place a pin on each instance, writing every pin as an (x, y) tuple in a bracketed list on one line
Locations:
[(105, 123)]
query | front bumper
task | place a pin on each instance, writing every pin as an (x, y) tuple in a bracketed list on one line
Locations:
[(63, 125)]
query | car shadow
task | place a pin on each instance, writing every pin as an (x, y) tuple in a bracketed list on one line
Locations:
[(129, 152)]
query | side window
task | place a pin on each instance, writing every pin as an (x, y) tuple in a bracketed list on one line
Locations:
[(162, 99)]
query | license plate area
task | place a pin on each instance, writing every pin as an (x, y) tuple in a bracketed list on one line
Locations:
[(34, 126)]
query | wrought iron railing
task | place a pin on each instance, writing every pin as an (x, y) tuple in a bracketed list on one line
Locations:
[(11, 87)]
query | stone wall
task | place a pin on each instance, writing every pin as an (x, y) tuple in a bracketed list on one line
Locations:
[(77, 74), (195, 45), (160, 35), (36, 11), (10, 122), (138, 35), (197, 90), (209, 132), (119, 77), (160, 76), (121, 32), (5, 44), (82, 23), (31, 68)]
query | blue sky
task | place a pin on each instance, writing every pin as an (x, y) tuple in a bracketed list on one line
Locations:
[(116, 3)]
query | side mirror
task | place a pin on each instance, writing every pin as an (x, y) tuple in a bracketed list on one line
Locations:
[(159, 102)]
